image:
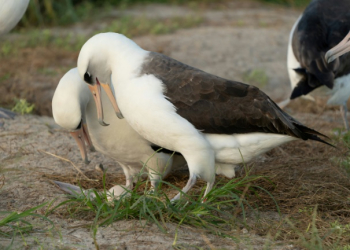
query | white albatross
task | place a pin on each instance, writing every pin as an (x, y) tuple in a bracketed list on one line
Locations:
[(184, 109), (11, 11), (73, 108), (323, 24)]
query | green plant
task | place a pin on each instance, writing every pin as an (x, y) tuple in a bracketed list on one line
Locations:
[(17, 222), (344, 138), (218, 214), (23, 107), (50, 12), (306, 210), (311, 238)]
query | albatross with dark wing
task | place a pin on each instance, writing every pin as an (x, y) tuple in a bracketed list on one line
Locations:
[(184, 109), (73, 108), (323, 24), (11, 11)]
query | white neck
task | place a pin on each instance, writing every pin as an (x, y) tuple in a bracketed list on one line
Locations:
[(110, 53), (70, 100), (126, 61)]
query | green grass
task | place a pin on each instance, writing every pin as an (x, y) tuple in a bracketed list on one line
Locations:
[(13, 224), (218, 215), (137, 26), (311, 238), (221, 214), (344, 138), (127, 25), (42, 38), (49, 12)]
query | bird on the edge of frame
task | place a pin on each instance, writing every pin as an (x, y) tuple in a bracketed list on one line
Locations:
[(323, 24), (11, 11)]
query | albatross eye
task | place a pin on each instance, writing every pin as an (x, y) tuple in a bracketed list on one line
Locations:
[(88, 78)]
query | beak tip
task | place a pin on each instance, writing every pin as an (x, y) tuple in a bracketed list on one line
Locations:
[(329, 58)]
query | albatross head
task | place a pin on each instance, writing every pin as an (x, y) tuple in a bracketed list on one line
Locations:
[(339, 50), (94, 64), (68, 108)]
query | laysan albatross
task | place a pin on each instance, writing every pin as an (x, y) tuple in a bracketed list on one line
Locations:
[(323, 24), (11, 11), (179, 107), (73, 108)]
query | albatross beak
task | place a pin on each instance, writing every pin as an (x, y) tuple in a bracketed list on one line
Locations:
[(339, 50), (96, 93), (111, 98), (78, 135)]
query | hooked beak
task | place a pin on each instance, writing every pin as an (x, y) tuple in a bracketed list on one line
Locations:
[(78, 135), (111, 98), (339, 50), (96, 93)]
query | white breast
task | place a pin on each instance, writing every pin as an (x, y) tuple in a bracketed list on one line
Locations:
[(118, 140), (340, 92)]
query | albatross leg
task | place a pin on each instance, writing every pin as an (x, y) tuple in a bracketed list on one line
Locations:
[(207, 190), (189, 185), (344, 112), (129, 179), (7, 114)]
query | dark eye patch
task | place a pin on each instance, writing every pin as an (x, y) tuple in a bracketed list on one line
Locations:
[(88, 78)]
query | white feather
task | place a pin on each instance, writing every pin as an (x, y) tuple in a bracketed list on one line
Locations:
[(11, 11), (340, 92), (119, 141)]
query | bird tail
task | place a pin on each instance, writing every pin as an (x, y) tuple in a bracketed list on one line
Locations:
[(310, 134)]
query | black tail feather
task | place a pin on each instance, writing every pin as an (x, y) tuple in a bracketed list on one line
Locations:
[(316, 138), (311, 134), (310, 130)]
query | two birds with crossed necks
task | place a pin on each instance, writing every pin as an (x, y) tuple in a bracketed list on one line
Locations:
[(155, 105)]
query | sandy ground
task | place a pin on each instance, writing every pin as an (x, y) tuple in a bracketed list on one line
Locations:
[(237, 38)]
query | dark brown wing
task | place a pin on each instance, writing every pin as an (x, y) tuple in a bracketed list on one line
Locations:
[(323, 25), (216, 105)]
